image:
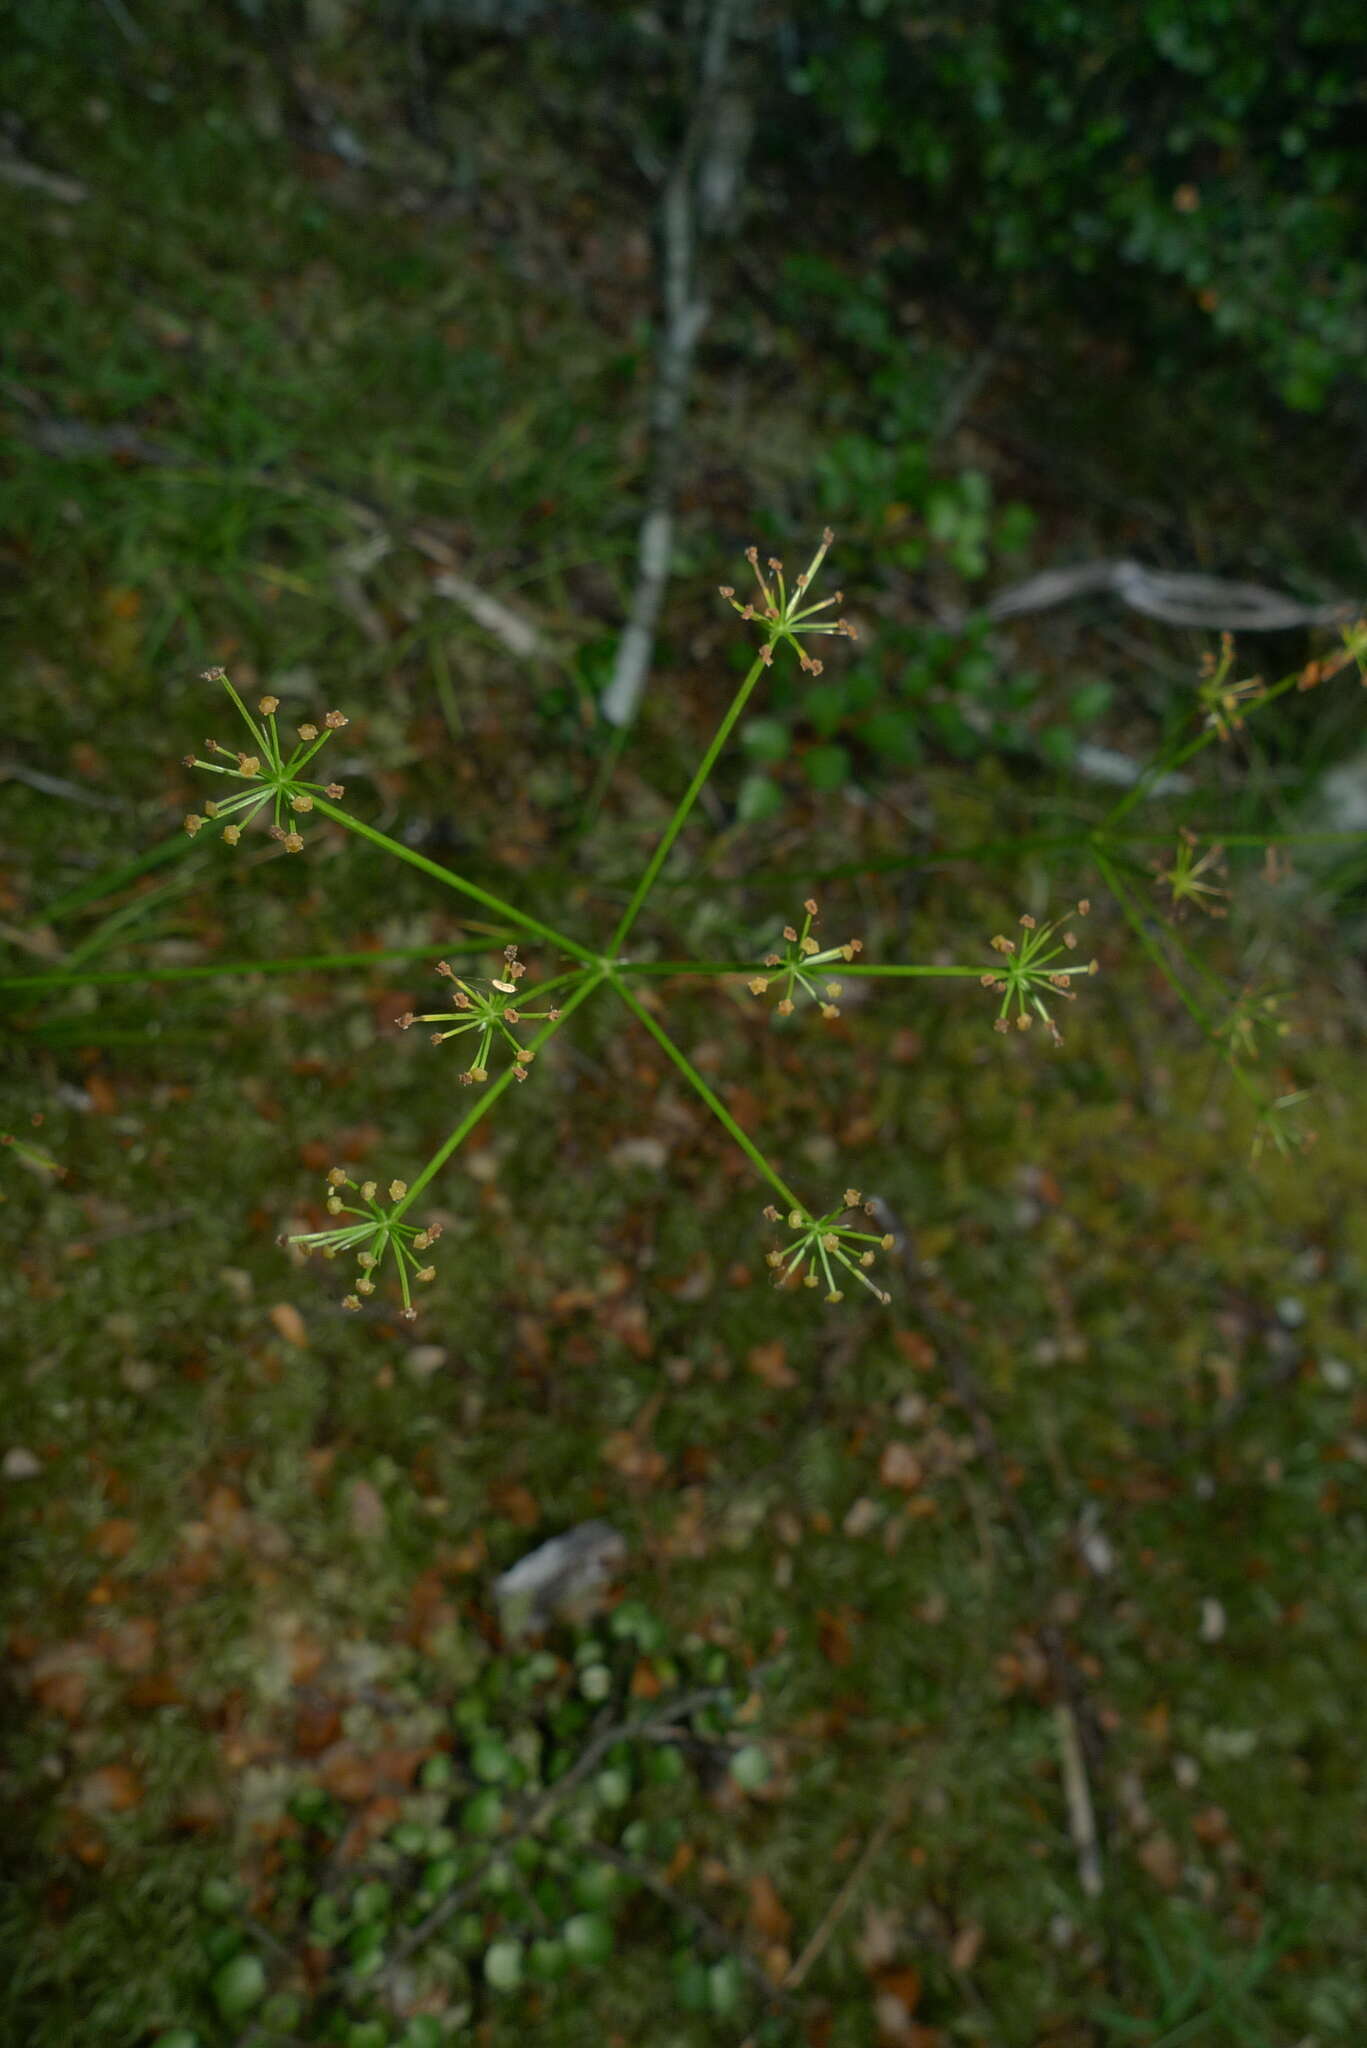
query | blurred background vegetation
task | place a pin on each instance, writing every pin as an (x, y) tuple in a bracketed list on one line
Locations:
[(332, 345)]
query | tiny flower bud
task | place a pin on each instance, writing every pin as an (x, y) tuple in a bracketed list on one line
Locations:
[(773, 1258), (248, 764), (829, 1011), (772, 960), (425, 1273), (365, 1286), (1028, 921), (407, 1018), (790, 935), (336, 790), (1084, 905), (445, 967), (886, 1242), (866, 1258), (335, 1205), (334, 721), (351, 1301), (833, 989), (785, 1008), (308, 732), (337, 1176), (397, 1190), (796, 1219), (210, 810), (809, 1280), (519, 1073), (231, 834), (809, 946), (553, 1015), (1024, 1021), (506, 988), (1070, 940), (302, 802), (214, 675), (771, 1214), (852, 1198), (757, 986), (410, 1314), (810, 906), (293, 843), (194, 824), (835, 1295), (369, 1190), (267, 705)]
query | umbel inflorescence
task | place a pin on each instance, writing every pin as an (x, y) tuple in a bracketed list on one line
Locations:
[(504, 1024), (267, 775)]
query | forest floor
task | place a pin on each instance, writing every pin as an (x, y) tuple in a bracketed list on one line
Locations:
[(1034, 1600)]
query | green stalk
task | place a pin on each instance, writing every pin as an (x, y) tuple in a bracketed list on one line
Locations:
[(489, 1096), (686, 803), (302, 963), (454, 881), (700, 1087), (1135, 921), (1173, 756), (834, 969)]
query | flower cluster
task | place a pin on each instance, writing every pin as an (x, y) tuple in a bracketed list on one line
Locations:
[(824, 1243), (1028, 973), (266, 773), (1192, 881), (488, 1011), (376, 1231), (783, 613), (803, 953), (1223, 702)]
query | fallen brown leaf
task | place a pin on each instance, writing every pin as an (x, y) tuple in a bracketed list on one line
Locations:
[(768, 1915)]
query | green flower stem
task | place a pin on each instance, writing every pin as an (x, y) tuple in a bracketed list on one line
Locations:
[(485, 1101), (1176, 756), (302, 963), (434, 868), (714, 1103), (686, 803), (832, 969), (1134, 919)]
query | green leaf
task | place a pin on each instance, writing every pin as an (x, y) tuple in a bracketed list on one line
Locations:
[(548, 1958), (490, 1760), (760, 798), (238, 1986), (588, 1937), (826, 768), (436, 1773), (1089, 702), (665, 1764), (768, 739), (503, 1964), (482, 1815), (725, 1987), (220, 1895), (595, 1885), (750, 1767), (424, 2030), (179, 2037), (613, 1787), (892, 734), (595, 1682), (370, 1901)]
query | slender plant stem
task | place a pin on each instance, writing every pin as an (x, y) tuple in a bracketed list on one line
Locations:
[(832, 968), (686, 803), (1135, 920), (714, 1103), (1176, 756), (454, 881), (301, 963), (485, 1101)]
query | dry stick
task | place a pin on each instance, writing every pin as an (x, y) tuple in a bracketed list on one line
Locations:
[(697, 164), (1070, 1702), (793, 1978), (1175, 598)]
